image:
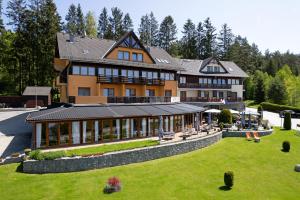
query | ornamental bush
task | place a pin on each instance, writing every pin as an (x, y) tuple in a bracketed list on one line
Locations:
[(277, 107), (228, 179), (113, 185), (286, 146), (225, 117), (287, 124), (27, 151), (38, 155)]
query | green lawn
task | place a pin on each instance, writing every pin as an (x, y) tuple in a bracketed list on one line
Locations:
[(262, 171), (112, 147)]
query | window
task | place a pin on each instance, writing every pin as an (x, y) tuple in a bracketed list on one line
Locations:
[(209, 81), (182, 79), (64, 133), (215, 93), (123, 55), (136, 73), (233, 81), (168, 93), (200, 80), (216, 69), (140, 57), (130, 73), (172, 76), (115, 72), (215, 81), (91, 71), (237, 81), (76, 70), (221, 94), (205, 80), (149, 75), (84, 71), (124, 72), (229, 81), (162, 75), (219, 81), (108, 92), (210, 68), (130, 92), (167, 76), (108, 72), (223, 82), (53, 130), (84, 91), (101, 71), (155, 75), (144, 74), (137, 57), (150, 93)]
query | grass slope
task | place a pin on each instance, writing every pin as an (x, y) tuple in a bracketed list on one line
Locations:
[(112, 147), (262, 171)]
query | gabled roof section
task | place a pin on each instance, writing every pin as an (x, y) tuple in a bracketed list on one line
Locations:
[(93, 50), (129, 40), (206, 61)]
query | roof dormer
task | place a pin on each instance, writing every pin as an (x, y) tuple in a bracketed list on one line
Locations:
[(212, 66)]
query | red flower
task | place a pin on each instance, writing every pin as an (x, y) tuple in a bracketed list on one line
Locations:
[(113, 181)]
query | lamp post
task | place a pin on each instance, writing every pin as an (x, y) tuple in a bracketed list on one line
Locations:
[(35, 97)]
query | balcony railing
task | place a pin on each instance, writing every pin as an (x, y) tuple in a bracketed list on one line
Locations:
[(133, 80), (209, 86), (138, 99), (207, 99)]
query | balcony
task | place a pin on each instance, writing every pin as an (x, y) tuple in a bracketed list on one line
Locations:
[(139, 99), (204, 86), (132, 80), (207, 99)]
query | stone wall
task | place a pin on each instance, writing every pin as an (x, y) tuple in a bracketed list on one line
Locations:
[(120, 157), (243, 133)]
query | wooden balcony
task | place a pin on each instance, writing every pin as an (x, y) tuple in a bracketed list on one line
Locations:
[(130, 80), (204, 86), (207, 99), (162, 99)]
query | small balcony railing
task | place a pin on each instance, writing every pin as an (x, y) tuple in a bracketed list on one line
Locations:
[(208, 86), (132, 80), (138, 99), (209, 99)]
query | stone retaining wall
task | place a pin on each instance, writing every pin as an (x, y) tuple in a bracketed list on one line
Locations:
[(243, 133), (120, 157)]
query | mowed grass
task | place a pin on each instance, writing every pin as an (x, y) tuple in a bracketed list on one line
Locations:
[(262, 171), (112, 147)]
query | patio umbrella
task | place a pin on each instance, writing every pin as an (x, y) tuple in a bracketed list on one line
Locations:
[(160, 130), (213, 111), (209, 118)]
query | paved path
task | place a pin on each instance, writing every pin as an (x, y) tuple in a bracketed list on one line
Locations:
[(274, 118), (15, 133)]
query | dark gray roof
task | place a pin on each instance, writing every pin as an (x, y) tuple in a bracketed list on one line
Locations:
[(93, 50), (39, 91), (192, 67), (77, 112)]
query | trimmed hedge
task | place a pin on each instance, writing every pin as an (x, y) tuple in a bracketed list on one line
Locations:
[(287, 124), (228, 179), (277, 107), (51, 155)]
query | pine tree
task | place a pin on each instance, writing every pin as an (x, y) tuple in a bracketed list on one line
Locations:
[(103, 23), (189, 40), (271, 68), (90, 25), (144, 30), (127, 23), (1, 20), (167, 33), (116, 23), (79, 21), (71, 18), (277, 91), (209, 39), (225, 41), (200, 41), (259, 88), (153, 30)]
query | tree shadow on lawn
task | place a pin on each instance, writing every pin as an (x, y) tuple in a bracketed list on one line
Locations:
[(19, 168), (224, 188)]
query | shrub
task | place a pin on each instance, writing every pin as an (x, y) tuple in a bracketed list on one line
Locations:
[(225, 117), (36, 155), (51, 155), (27, 151), (286, 146), (287, 124), (221, 125), (113, 185), (228, 179), (277, 107)]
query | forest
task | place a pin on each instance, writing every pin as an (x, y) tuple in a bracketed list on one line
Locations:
[(27, 46)]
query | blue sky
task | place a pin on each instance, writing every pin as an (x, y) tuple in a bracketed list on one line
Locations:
[(272, 24)]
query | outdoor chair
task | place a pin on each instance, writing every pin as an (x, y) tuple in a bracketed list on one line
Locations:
[(168, 135), (256, 137), (248, 136)]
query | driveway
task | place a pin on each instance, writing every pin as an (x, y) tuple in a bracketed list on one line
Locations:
[(15, 133), (274, 118)]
